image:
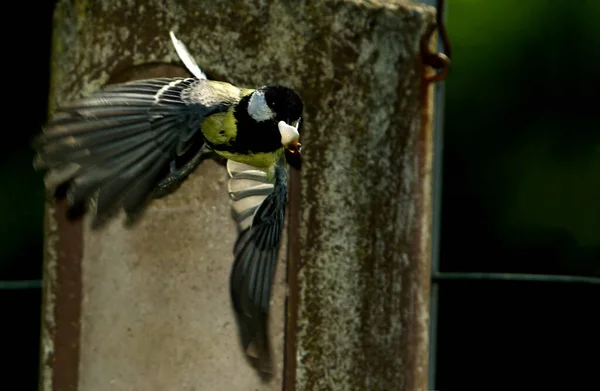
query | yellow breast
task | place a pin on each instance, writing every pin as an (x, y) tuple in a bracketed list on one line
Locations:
[(221, 129)]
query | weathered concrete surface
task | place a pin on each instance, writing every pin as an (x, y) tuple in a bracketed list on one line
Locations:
[(156, 308), (155, 312), (365, 208)]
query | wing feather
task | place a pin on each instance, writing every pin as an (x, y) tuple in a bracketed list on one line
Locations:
[(117, 143), (256, 252)]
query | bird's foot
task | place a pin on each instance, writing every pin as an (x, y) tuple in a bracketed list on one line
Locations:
[(177, 175)]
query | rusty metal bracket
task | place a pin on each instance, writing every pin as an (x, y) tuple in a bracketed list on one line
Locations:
[(437, 60)]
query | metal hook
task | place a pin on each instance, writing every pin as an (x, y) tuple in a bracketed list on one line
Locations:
[(437, 60)]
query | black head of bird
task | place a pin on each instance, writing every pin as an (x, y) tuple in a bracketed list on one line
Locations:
[(275, 111)]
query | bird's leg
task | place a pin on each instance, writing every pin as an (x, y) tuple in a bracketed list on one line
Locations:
[(178, 175)]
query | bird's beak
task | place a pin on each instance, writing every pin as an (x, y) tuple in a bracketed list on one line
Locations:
[(289, 139)]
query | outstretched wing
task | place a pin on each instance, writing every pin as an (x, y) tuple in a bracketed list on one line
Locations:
[(259, 209), (116, 144)]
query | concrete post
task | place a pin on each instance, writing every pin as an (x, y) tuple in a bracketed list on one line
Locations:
[(147, 308)]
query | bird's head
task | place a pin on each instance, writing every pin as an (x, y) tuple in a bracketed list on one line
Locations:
[(283, 106)]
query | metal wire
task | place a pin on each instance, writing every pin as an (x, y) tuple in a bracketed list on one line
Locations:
[(438, 60), (22, 284), (551, 278), (441, 63)]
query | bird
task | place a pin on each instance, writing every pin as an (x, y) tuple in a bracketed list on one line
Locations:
[(129, 142)]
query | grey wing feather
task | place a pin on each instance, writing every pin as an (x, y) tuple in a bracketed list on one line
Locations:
[(256, 250), (117, 143)]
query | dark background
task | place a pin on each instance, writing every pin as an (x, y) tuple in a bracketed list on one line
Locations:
[(521, 188), (521, 194), (24, 89)]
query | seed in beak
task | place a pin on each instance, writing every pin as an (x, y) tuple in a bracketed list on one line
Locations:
[(289, 134)]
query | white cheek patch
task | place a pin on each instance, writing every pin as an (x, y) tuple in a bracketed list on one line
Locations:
[(258, 108), (289, 134)]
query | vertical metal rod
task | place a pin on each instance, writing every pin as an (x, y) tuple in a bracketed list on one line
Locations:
[(438, 142), (436, 225)]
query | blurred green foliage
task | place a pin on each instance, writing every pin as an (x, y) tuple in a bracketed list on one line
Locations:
[(522, 141)]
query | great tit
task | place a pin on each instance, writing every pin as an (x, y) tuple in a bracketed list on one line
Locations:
[(136, 140)]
